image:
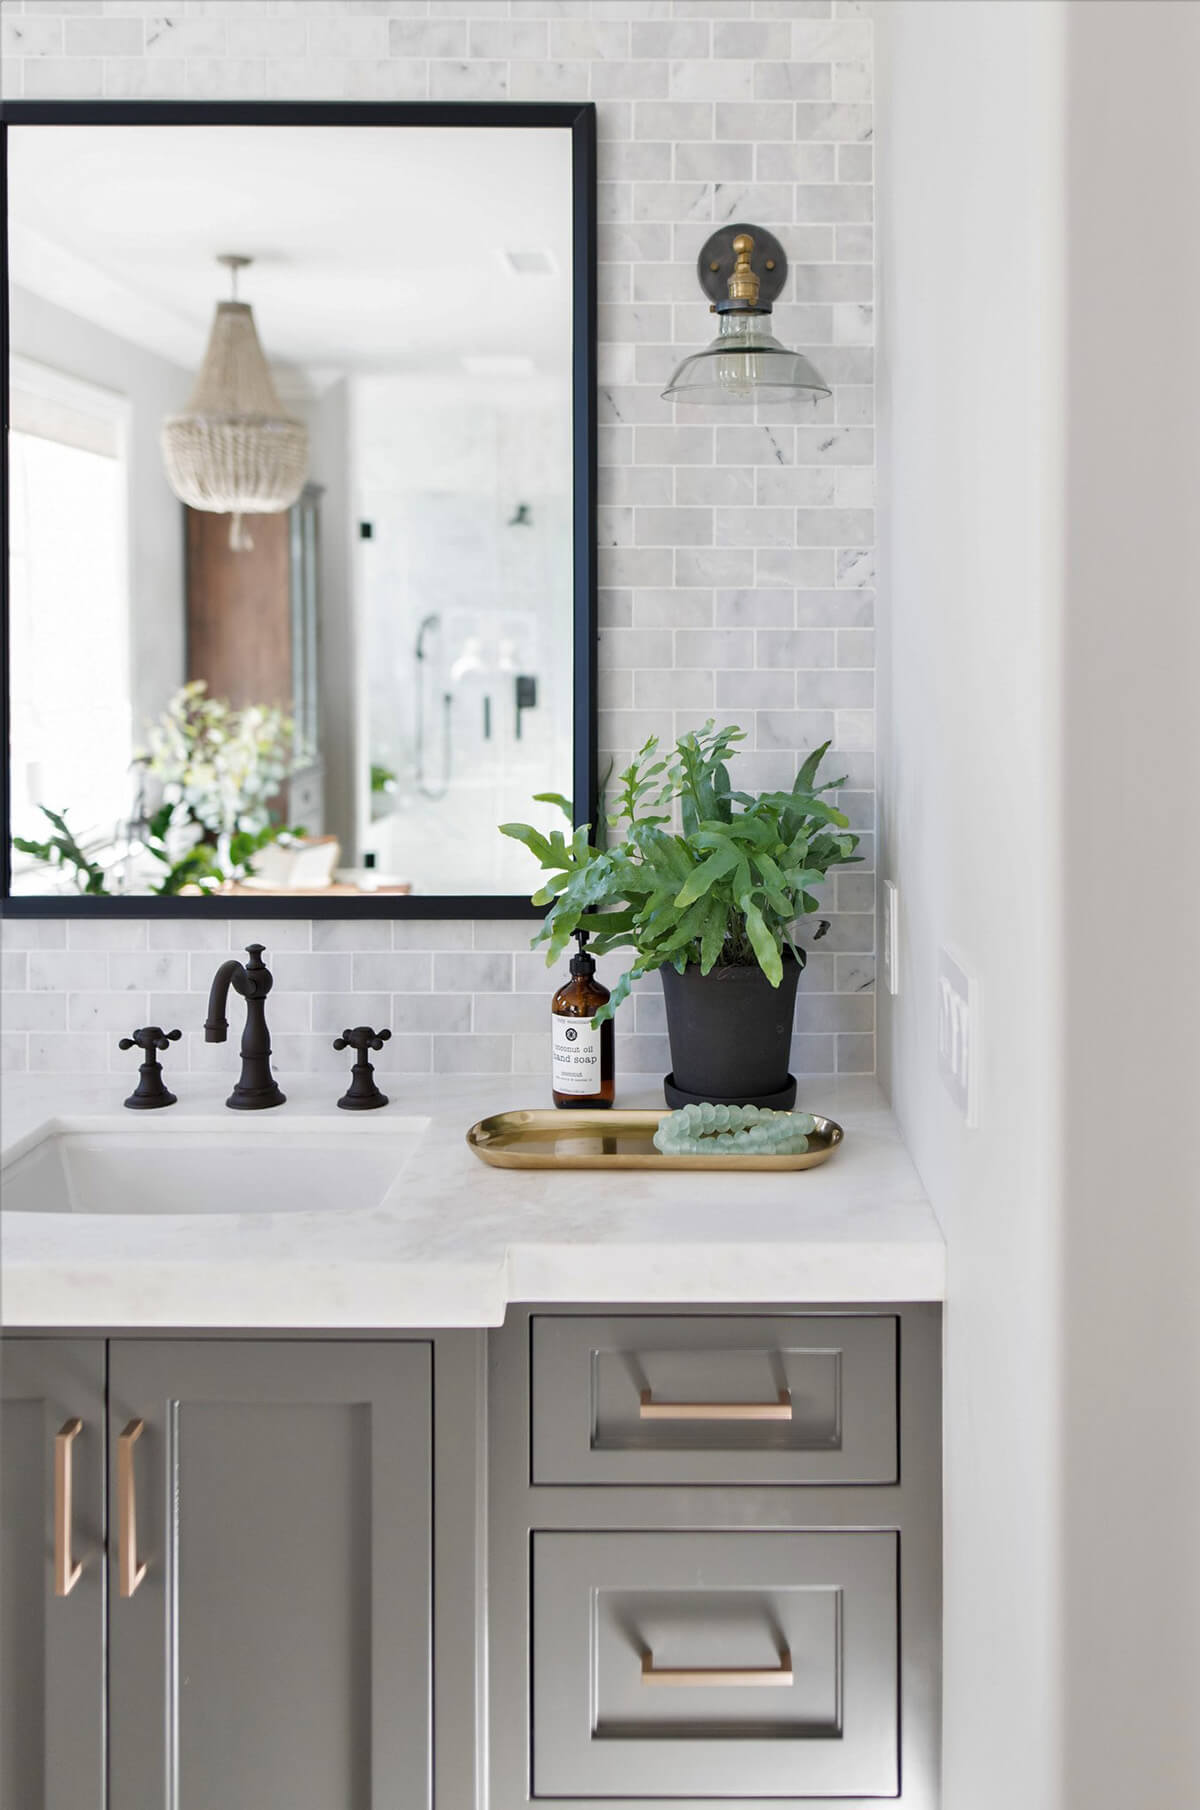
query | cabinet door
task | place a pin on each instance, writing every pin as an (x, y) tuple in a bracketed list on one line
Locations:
[(51, 1617), (277, 1649)]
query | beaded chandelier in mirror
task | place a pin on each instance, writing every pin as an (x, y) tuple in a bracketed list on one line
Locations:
[(234, 451)]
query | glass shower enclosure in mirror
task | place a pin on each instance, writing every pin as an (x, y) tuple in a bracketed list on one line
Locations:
[(300, 564)]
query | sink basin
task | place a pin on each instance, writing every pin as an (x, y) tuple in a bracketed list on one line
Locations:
[(208, 1165)]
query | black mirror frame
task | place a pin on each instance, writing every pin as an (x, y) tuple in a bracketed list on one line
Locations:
[(580, 118)]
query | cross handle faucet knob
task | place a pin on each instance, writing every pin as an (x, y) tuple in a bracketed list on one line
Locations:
[(361, 1039), (151, 1037), (150, 1091), (362, 1092)]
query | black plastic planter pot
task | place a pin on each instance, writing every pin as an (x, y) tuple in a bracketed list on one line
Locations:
[(731, 1035)]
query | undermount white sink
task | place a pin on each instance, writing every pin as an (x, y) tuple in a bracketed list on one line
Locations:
[(257, 1163)]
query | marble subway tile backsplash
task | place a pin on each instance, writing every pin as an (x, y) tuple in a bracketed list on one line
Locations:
[(736, 558), (475, 1001)]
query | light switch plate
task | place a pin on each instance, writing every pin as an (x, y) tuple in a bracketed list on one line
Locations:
[(958, 1011), (891, 937)]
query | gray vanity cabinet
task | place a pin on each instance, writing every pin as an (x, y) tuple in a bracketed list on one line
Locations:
[(276, 1649), (52, 1435), (681, 1557), (714, 1558), (252, 1523)]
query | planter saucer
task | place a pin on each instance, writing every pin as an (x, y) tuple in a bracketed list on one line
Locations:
[(783, 1101)]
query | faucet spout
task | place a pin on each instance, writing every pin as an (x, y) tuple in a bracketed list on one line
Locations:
[(257, 1086), (216, 1025)]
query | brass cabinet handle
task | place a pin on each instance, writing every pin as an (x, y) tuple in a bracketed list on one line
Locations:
[(131, 1573), (66, 1572), (758, 1677), (779, 1409)]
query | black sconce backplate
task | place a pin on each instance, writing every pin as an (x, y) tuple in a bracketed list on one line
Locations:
[(768, 262)]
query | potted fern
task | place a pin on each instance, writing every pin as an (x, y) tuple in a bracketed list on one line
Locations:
[(705, 884)]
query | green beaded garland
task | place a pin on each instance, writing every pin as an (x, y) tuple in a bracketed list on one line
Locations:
[(733, 1131)]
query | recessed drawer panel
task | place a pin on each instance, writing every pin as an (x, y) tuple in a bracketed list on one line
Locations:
[(723, 1399), (698, 1665)]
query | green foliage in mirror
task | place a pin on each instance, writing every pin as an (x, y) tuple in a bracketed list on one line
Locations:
[(63, 851)]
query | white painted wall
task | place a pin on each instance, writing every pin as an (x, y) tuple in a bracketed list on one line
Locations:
[(155, 388), (1039, 410), (970, 197), (1131, 686)]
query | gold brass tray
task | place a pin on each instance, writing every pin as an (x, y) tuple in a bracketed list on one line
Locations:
[(566, 1138)]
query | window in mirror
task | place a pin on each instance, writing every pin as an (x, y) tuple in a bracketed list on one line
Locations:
[(71, 720), (337, 688)]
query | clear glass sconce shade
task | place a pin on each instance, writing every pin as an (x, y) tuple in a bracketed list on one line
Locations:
[(743, 363)]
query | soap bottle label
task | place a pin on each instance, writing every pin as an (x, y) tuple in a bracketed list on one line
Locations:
[(575, 1056)]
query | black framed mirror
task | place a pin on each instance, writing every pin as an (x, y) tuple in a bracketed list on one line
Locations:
[(299, 556)]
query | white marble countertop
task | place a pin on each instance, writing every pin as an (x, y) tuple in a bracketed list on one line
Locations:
[(456, 1242)]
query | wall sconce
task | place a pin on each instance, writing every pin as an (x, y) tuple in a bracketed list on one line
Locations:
[(742, 269)]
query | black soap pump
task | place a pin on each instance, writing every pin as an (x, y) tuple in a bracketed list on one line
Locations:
[(581, 1058)]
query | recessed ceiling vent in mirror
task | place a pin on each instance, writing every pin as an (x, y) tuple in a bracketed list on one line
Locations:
[(234, 451), (531, 263)]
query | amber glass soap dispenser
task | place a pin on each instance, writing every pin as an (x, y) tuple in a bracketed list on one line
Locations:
[(581, 1059)]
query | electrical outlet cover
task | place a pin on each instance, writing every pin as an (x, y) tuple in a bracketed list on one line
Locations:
[(958, 1034)]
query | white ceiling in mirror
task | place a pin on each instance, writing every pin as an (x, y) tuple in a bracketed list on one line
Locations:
[(375, 248)]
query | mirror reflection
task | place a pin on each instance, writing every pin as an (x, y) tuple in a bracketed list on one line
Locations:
[(290, 481)]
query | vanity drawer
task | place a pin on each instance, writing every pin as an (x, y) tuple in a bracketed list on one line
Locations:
[(686, 1665), (720, 1399)]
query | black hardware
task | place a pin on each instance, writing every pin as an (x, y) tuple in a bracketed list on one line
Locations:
[(257, 1086), (150, 1091), (579, 117), (362, 1092), (366, 531), (525, 687)]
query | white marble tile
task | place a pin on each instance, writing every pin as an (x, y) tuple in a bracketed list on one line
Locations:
[(54, 971), (28, 35), (486, 972), (20, 1011), (474, 1055), (403, 971), (14, 970), (106, 933), (119, 1013)]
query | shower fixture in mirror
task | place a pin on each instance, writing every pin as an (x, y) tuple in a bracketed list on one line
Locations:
[(299, 549)]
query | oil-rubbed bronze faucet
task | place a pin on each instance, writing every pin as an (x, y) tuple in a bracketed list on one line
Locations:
[(256, 1086)]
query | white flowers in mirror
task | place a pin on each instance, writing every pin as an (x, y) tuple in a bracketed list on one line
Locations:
[(221, 768)]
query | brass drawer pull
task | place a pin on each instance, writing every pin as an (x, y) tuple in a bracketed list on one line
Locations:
[(131, 1573), (779, 1409), (760, 1677), (66, 1572)]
